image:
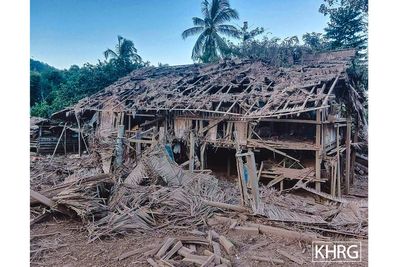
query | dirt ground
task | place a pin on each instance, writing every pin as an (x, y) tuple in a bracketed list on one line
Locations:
[(61, 241), (64, 242)]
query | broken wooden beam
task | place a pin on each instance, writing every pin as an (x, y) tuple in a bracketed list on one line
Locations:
[(50, 203), (152, 262), (226, 244), (225, 206), (288, 234), (291, 257), (173, 250), (267, 259), (167, 244), (247, 230)]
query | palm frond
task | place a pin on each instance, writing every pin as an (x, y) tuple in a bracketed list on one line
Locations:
[(204, 8), (225, 15), (192, 31), (228, 30), (221, 44), (218, 6), (110, 54), (198, 46), (198, 21)]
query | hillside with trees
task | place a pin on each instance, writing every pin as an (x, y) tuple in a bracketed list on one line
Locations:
[(53, 89)]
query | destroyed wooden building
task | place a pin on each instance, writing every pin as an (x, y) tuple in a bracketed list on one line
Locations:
[(48, 136), (286, 127)]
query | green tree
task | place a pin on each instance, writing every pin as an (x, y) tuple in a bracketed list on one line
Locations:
[(346, 29), (53, 89), (329, 6), (315, 41), (35, 92), (273, 50), (125, 54), (247, 35), (210, 46)]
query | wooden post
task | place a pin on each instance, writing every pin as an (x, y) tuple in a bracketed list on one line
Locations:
[(353, 153), (202, 156), (338, 179), (241, 182), (65, 142), (129, 131), (318, 152), (138, 148), (119, 149), (251, 166), (348, 152), (191, 152), (333, 179), (334, 172), (79, 135)]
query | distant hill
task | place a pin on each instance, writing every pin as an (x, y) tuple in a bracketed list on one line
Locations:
[(40, 67)]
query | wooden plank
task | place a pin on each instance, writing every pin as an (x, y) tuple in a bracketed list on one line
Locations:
[(241, 182), (288, 234), (251, 165), (173, 250), (50, 203), (202, 156), (330, 91), (216, 248), (348, 153), (167, 244), (267, 259), (209, 261), (247, 230), (295, 259), (191, 152), (152, 262), (276, 180), (226, 244), (225, 206), (43, 199), (318, 152), (79, 135), (260, 171)]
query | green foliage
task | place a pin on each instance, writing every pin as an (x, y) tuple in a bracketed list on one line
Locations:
[(315, 41), (275, 51), (41, 109), (35, 81), (52, 89), (247, 35), (346, 29), (210, 46), (330, 6), (40, 67)]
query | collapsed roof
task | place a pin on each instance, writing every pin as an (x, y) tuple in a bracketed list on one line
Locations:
[(245, 89)]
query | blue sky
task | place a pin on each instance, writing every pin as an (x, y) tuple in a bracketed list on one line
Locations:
[(67, 32)]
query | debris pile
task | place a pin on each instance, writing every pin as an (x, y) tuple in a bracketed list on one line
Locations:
[(112, 207)]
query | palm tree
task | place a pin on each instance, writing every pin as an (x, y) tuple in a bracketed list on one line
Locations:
[(125, 52), (247, 35), (210, 46)]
